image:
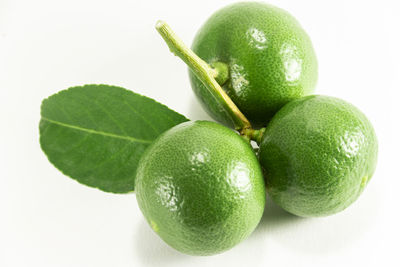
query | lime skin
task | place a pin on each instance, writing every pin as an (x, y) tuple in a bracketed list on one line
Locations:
[(201, 188), (318, 153), (270, 59)]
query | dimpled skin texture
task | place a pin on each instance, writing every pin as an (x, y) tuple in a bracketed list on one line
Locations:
[(201, 188), (318, 153), (270, 58)]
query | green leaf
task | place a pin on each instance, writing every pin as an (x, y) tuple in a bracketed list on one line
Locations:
[(96, 134)]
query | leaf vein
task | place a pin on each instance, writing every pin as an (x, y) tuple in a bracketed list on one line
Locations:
[(94, 100), (129, 138), (156, 131)]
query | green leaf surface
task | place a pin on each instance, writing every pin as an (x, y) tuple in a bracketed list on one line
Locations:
[(96, 134)]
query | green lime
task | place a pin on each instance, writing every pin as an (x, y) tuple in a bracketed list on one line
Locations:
[(318, 153), (201, 188), (269, 57)]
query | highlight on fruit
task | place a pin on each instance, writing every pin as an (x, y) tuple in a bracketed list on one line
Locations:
[(202, 185)]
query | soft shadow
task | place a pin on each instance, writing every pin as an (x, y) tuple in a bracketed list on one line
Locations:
[(275, 219), (151, 250), (321, 234)]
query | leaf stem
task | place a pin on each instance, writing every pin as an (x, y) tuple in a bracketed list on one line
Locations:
[(205, 73)]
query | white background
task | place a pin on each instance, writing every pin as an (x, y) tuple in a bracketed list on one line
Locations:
[(47, 219)]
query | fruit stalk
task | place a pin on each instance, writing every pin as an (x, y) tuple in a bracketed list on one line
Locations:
[(205, 73), (252, 134)]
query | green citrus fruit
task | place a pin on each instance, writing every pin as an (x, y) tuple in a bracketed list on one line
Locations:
[(269, 57), (318, 153), (201, 188)]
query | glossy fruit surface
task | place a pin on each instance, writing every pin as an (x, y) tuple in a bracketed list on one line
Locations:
[(318, 153), (270, 59), (201, 188)]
